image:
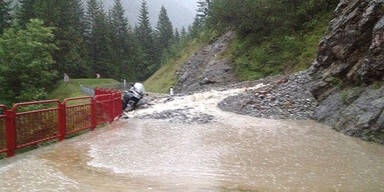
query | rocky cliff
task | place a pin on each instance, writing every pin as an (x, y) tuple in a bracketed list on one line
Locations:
[(206, 68), (348, 72)]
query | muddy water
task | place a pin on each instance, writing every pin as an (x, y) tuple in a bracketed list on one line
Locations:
[(232, 153)]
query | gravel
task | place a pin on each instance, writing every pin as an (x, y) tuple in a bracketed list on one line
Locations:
[(287, 97)]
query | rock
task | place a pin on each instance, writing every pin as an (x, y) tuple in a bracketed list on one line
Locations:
[(207, 81), (350, 59), (204, 70), (283, 98)]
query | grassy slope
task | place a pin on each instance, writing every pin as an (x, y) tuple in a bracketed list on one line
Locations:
[(277, 53), (72, 88), (165, 77)]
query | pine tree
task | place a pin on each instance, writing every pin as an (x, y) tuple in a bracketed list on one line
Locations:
[(164, 31), (71, 58), (183, 34), (119, 21), (5, 16), (121, 38), (144, 36), (25, 12), (99, 40), (195, 28), (67, 19), (93, 8), (177, 35)]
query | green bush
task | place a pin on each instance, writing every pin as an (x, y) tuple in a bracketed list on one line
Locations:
[(26, 62), (282, 52)]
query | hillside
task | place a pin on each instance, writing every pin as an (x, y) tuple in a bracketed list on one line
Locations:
[(234, 58), (72, 88), (282, 52)]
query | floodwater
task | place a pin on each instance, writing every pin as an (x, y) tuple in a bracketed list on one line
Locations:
[(232, 153)]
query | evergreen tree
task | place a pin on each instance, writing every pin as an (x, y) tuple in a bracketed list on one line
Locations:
[(183, 34), (27, 53), (144, 36), (136, 58), (5, 16), (99, 40), (195, 28), (164, 30), (177, 35), (71, 58), (67, 19), (122, 41), (25, 12), (93, 8)]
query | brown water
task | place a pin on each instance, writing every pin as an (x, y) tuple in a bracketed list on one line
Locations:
[(233, 153)]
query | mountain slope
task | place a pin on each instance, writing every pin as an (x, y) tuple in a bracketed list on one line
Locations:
[(201, 66), (206, 68)]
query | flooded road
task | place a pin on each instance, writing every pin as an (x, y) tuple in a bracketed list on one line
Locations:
[(230, 153)]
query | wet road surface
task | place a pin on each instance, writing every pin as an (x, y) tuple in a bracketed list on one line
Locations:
[(231, 153)]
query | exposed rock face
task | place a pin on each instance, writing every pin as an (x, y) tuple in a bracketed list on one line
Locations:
[(349, 70), (205, 68)]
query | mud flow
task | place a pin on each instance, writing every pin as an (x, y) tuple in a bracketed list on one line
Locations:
[(151, 151)]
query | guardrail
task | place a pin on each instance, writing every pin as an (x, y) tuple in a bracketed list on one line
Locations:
[(54, 120)]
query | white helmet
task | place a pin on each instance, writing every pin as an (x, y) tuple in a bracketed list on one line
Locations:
[(139, 88)]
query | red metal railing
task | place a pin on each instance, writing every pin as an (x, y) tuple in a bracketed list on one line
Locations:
[(79, 117), (55, 120), (3, 147)]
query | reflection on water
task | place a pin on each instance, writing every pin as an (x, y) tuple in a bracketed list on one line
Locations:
[(234, 153)]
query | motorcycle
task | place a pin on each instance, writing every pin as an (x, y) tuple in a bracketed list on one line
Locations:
[(131, 97)]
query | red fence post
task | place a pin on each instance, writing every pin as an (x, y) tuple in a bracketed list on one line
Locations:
[(119, 105), (110, 107), (10, 132), (114, 103), (93, 114), (62, 116)]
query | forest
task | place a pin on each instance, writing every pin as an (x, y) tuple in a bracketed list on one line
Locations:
[(41, 40)]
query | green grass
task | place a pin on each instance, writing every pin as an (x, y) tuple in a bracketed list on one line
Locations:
[(72, 88), (283, 52), (165, 77)]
